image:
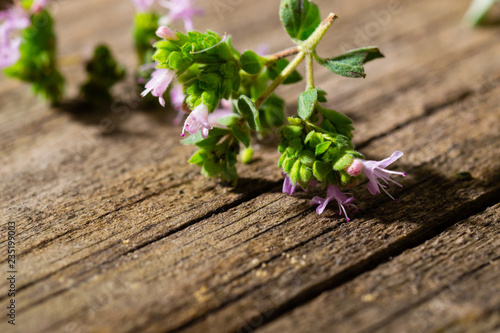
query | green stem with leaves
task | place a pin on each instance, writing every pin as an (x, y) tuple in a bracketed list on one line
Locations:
[(279, 80), (305, 49)]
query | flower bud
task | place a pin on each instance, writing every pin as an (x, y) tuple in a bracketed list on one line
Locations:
[(355, 168), (166, 33)]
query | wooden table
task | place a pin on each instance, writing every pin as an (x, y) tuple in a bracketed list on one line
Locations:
[(116, 233)]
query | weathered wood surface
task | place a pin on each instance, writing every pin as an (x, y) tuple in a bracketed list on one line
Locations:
[(117, 234)]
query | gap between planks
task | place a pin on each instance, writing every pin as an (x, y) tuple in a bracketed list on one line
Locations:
[(459, 98), (408, 242), (474, 204)]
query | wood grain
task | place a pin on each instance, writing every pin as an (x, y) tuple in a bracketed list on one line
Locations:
[(117, 234), (443, 285)]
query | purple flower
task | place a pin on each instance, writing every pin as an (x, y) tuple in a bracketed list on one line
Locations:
[(374, 170), (160, 80), (288, 187), (143, 5), (177, 98), (334, 193), (198, 121), (12, 20), (181, 10)]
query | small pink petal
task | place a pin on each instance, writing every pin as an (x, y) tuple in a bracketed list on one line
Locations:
[(166, 33), (375, 170)]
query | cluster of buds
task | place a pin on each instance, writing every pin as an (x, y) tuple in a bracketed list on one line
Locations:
[(314, 154), (216, 74), (310, 153), (358, 168)]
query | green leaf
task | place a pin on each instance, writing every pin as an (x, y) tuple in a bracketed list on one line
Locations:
[(290, 152), (214, 136), (276, 68), (210, 168), (295, 172), (321, 170), (356, 154), (228, 121), (198, 158), (250, 112), (210, 141), (241, 134), (306, 157), (314, 139), (321, 95), (345, 178), (336, 122), (307, 101), (226, 88), (251, 63), (335, 117), (292, 131), (343, 162), (323, 147), (281, 160), (296, 144), (305, 175), (192, 139), (288, 164), (309, 136), (332, 154), (282, 147), (272, 112), (350, 64), (225, 51), (299, 18)]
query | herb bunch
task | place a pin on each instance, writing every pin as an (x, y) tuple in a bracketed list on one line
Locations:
[(30, 42), (316, 144)]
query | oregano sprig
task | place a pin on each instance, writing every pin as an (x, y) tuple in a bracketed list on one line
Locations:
[(316, 144), (31, 50)]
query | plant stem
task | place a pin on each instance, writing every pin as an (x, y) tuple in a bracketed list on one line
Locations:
[(279, 80), (478, 11), (310, 44), (282, 54), (307, 47), (309, 71)]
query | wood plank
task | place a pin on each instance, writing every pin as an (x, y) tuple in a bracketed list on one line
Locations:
[(117, 201), (341, 251), (443, 285), (250, 262), (88, 203)]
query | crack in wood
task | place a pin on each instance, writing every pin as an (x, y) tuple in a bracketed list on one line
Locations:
[(428, 111), (219, 210), (53, 239), (377, 326), (216, 230), (459, 97), (410, 241)]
